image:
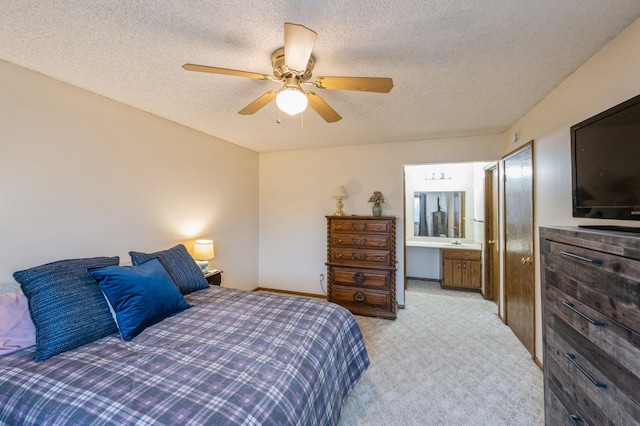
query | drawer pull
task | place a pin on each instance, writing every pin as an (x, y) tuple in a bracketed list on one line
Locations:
[(358, 297), (584, 259), (359, 278), (574, 419), (572, 358), (572, 307)]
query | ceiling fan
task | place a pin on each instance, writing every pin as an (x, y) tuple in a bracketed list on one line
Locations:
[(294, 70)]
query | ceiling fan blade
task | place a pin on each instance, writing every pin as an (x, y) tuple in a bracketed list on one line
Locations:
[(259, 103), (226, 71), (322, 108), (298, 44), (363, 84)]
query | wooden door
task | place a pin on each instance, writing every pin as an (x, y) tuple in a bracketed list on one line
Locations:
[(491, 288), (519, 295)]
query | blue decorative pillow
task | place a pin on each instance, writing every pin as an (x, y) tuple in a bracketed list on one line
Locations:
[(66, 305), (184, 271), (139, 296)]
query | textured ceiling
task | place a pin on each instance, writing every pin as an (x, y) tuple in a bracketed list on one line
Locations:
[(459, 67)]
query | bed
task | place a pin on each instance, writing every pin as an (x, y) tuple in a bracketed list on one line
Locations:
[(234, 357)]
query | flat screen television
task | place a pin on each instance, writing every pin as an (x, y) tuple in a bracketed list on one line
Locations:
[(605, 160)]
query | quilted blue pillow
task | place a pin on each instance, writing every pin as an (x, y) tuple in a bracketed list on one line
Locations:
[(140, 296), (66, 305), (184, 271)]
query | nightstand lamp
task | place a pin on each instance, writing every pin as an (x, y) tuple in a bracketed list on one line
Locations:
[(203, 252), (339, 192)]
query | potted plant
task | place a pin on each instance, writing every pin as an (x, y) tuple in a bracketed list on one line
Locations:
[(376, 198)]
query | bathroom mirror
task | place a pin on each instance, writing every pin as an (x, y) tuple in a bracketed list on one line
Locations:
[(438, 214)]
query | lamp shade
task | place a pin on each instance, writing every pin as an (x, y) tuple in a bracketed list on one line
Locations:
[(203, 250), (291, 100), (340, 191)]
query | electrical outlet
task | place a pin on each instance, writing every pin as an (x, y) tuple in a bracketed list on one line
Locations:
[(321, 277)]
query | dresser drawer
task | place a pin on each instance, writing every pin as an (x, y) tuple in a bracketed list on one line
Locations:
[(606, 283), (363, 301), (355, 225), (372, 241), (361, 257), (595, 383), (602, 331), (358, 277), (461, 254), (567, 405)]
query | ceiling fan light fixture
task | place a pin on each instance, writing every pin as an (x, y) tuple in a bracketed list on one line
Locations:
[(293, 65), (291, 100)]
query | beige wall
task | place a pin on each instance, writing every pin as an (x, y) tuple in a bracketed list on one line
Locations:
[(608, 78), (295, 187), (82, 175), (295, 195)]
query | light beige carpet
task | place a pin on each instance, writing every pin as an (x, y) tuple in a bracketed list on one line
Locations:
[(447, 360)]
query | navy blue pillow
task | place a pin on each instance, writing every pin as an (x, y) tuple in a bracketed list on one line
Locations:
[(140, 296), (184, 271), (66, 305)]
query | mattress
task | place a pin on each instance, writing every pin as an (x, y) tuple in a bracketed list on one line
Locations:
[(235, 358)]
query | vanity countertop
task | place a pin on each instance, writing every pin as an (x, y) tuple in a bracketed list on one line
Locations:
[(444, 245)]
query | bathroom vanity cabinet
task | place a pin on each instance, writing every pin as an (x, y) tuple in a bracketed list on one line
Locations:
[(461, 269)]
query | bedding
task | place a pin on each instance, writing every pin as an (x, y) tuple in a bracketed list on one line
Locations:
[(9, 287), (66, 306), (184, 272), (16, 328), (139, 296), (234, 358)]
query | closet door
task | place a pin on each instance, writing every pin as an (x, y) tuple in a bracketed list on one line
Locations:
[(519, 283)]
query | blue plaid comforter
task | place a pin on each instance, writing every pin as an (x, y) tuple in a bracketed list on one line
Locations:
[(235, 358)]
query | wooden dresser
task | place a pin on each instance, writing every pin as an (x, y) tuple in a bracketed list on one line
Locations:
[(591, 326), (361, 264)]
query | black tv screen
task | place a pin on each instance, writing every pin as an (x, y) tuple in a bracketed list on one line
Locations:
[(605, 159)]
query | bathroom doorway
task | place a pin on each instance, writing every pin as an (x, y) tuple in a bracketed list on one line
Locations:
[(444, 209)]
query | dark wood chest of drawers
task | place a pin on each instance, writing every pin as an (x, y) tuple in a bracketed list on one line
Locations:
[(361, 264), (591, 326)]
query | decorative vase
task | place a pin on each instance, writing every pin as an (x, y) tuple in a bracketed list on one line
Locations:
[(376, 209)]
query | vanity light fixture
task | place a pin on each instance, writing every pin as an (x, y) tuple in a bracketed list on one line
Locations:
[(437, 176)]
